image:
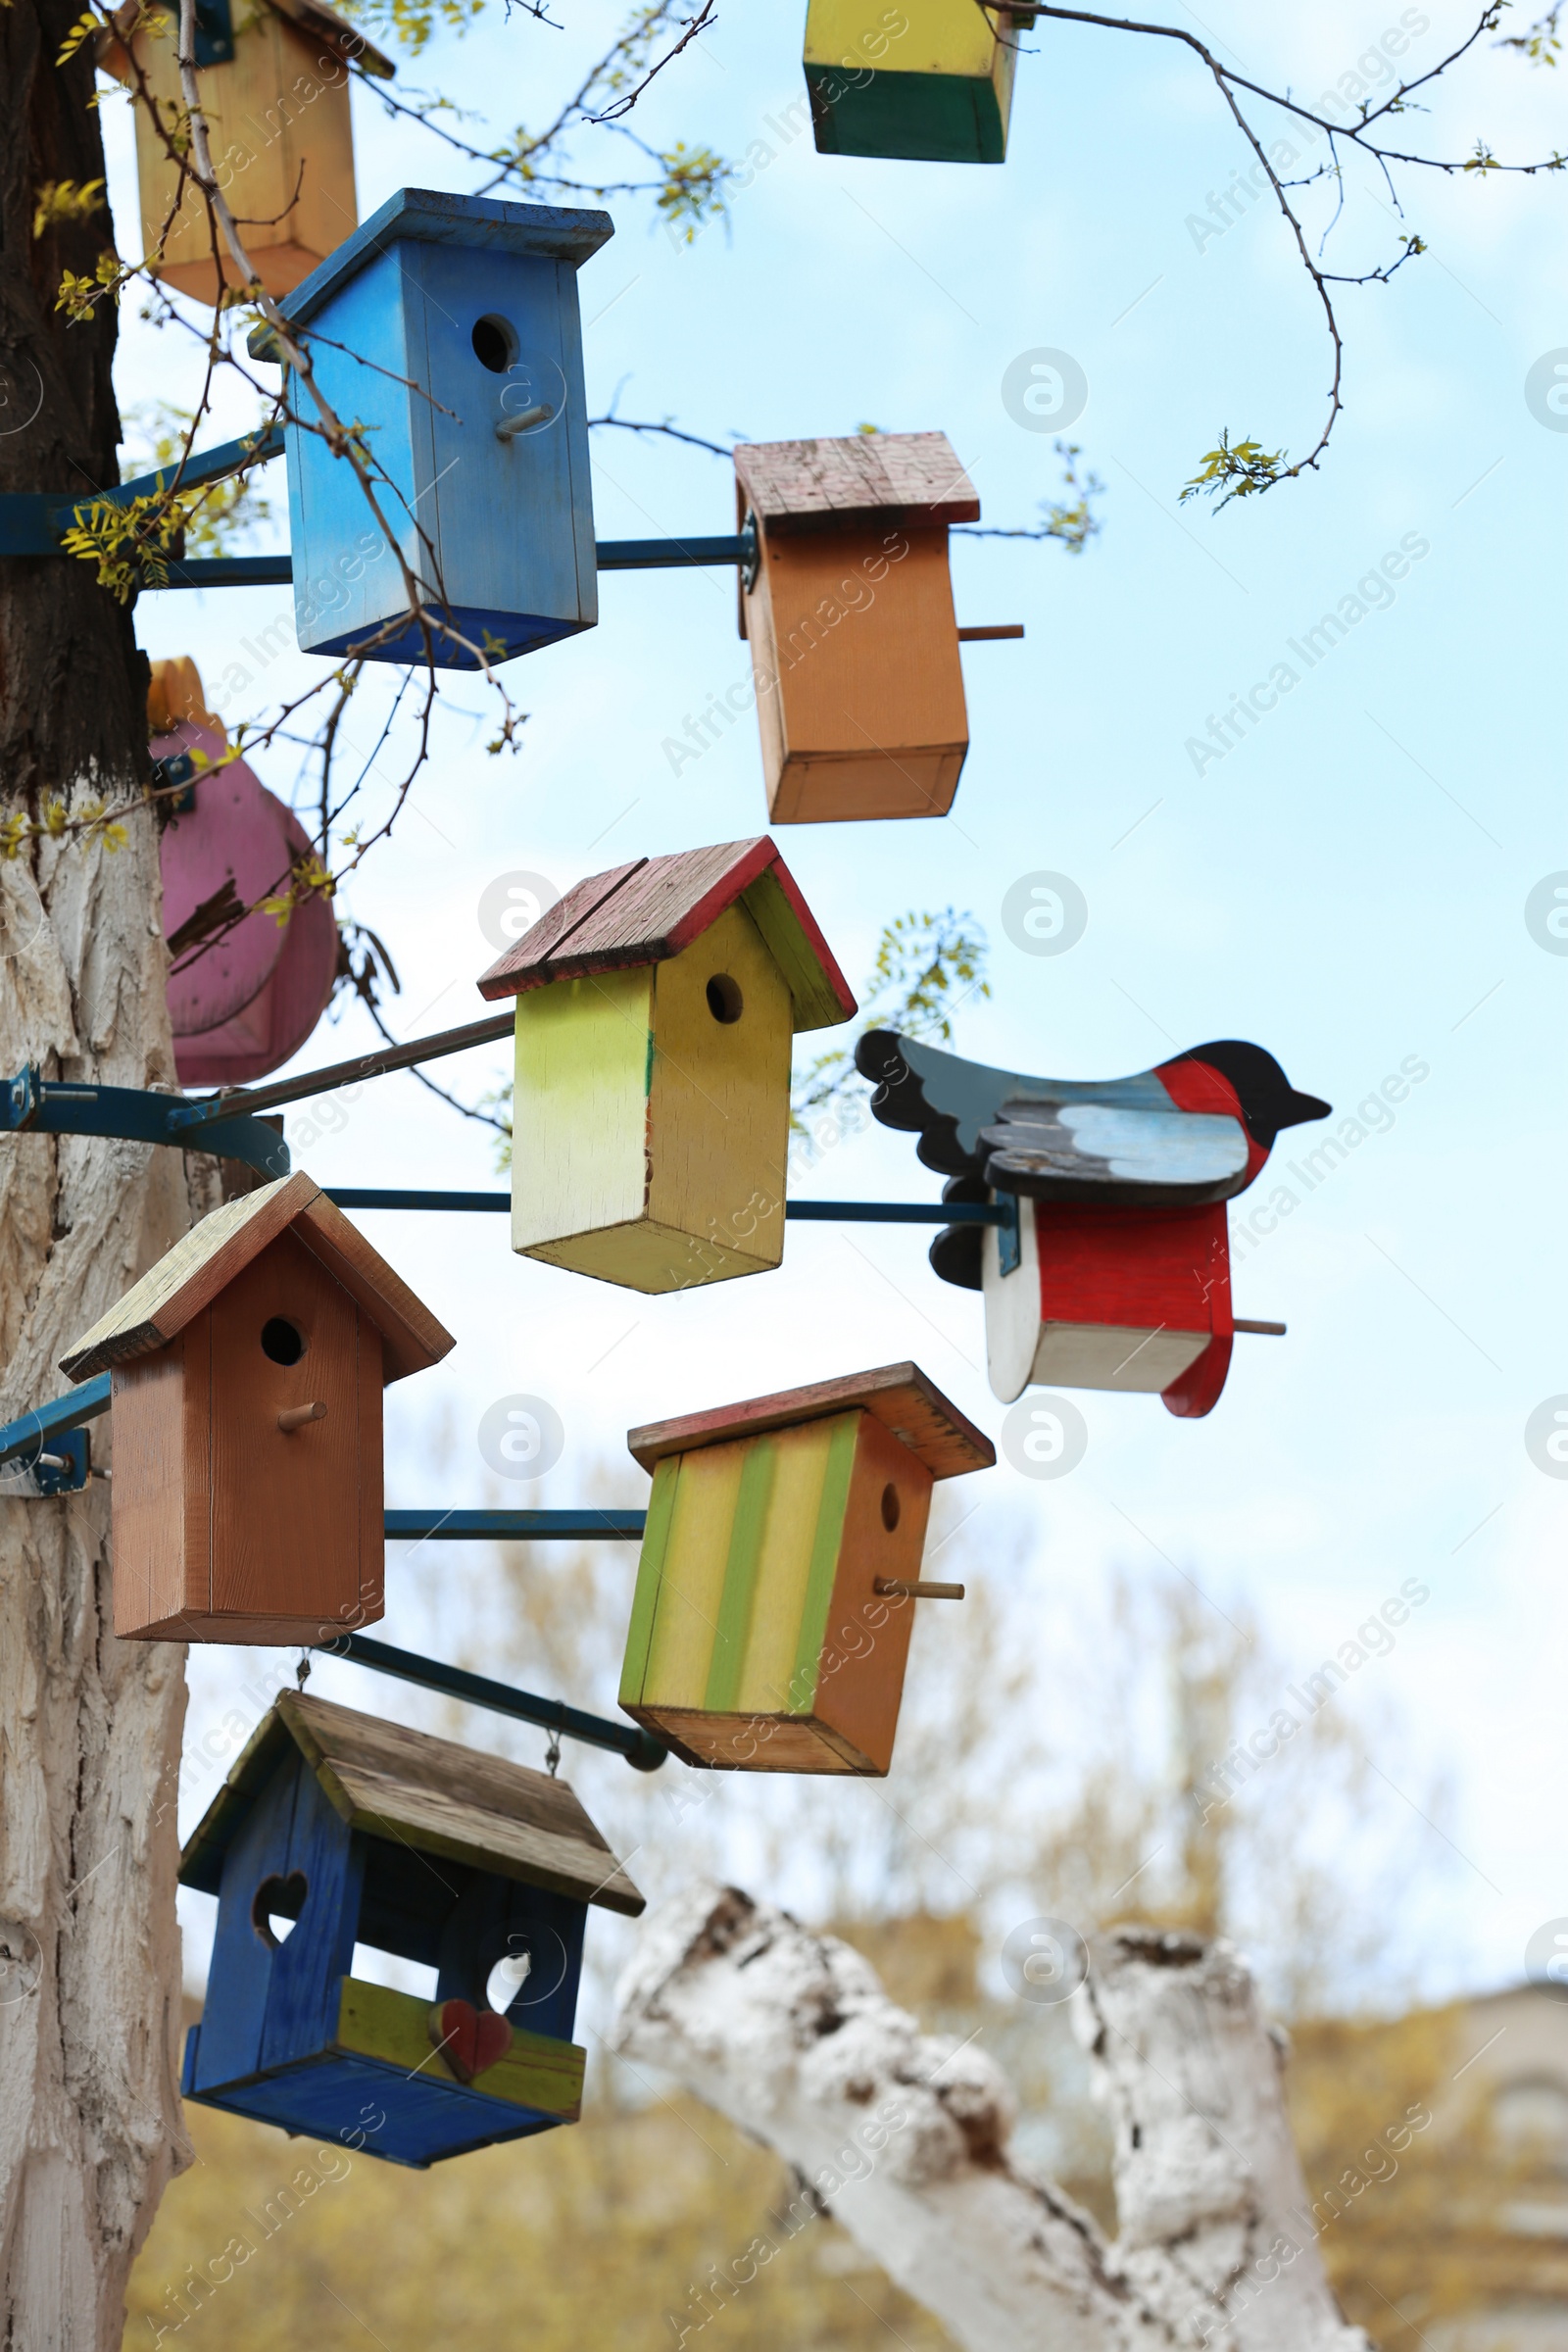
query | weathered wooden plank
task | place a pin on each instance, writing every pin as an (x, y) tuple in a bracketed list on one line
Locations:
[(901, 1395), (538, 2071), (898, 477)]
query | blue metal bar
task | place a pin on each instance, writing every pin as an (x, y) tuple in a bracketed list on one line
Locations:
[(823, 1212), (642, 1751), (32, 521), (47, 1422), (277, 571), (518, 1527), (33, 1104)]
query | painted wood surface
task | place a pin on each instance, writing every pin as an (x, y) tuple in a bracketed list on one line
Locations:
[(652, 1134), (279, 122), (909, 479), (234, 834), (655, 907), (499, 529), (279, 1019), (901, 1395), (188, 1277), (759, 1638), (538, 2071), (386, 1780), (860, 685), (931, 81)]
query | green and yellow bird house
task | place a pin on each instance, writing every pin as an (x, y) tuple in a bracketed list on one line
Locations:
[(771, 1620), (650, 1117), (930, 80)]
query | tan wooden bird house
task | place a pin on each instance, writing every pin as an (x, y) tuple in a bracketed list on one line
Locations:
[(770, 1625), (853, 638), (273, 77), (650, 1114), (248, 1366)]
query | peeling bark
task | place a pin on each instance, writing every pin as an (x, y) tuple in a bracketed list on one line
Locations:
[(791, 2035)]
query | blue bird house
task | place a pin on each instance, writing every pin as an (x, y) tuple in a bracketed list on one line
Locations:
[(335, 1831), (448, 329)]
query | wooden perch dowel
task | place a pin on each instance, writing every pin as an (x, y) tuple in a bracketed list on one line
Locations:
[(905, 2138), (1264, 1330), (299, 1416), (983, 630), (903, 1588)]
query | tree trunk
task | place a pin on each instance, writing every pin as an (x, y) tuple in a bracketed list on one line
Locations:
[(89, 1728), (904, 2139)]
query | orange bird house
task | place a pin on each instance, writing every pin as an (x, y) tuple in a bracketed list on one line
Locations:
[(247, 1374), (770, 1625)]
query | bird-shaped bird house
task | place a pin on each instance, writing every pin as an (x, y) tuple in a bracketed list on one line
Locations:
[(334, 1830), (1113, 1270), (244, 990), (273, 80), (448, 327), (771, 1620), (849, 619), (930, 80), (247, 1374), (656, 1005)]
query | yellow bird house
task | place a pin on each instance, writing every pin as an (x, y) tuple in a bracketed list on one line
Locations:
[(770, 1625), (853, 638), (273, 79), (656, 1005), (930, 80)]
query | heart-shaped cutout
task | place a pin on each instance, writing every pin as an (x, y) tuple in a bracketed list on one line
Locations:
[(469, 2040)]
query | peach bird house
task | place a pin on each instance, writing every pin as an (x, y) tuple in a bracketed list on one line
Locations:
[(247, 1369), (650, 1114), (849, 619)]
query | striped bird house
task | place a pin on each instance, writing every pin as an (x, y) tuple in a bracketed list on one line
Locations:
[(448, 327), (273, 79), (930, 80), (849, 619), (335, 1831), (771, 1621), (655, 1009), (247, 1374)]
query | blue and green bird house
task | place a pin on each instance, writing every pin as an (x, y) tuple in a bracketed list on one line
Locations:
[(336, 1831), (445, 332)]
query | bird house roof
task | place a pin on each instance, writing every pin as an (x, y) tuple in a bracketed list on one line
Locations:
[(552, 233), (889, 477), (651, 909), (393, 1783), (190, 1275), (900, 1396)]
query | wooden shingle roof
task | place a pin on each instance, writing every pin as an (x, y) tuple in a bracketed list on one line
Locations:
[(651, 909), (891, 477), (390, 1782), (900, 1396), (190, 1275)]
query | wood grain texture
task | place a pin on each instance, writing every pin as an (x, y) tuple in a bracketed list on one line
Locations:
[(579, 1161), (538, 2071), (866, 1637), (652, 910), (750, 1742), (149, 1493), (412, 1339), (892, 478), (901, 1395), (384, 1778), (858, 681)]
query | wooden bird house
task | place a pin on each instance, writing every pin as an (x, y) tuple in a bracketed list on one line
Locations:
[(656, 1005), (448, 325), (273, 79), (248, 1368), (850, 618), (930, 80), (771, 1618), (334, 1830), (1100, 1298)]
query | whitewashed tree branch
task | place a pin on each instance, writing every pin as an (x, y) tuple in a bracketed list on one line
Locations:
[(791, 2037)]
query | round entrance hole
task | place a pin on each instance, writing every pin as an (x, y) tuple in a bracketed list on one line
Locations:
[(495, 343), (890, 1507), (724, 1000), (283, 1342)]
